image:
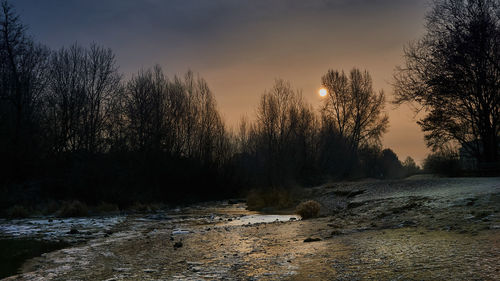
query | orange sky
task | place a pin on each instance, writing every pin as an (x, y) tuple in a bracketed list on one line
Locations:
[(241, 46)]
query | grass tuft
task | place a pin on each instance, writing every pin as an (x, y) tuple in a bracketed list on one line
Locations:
[(18, 212), (308, 209), (73, 209), (276, 198)]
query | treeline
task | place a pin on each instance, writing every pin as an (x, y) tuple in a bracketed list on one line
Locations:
[(71, 127), (290, 143)]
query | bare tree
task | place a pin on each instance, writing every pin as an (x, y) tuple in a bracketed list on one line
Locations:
[(23, 78), (286, 128), (410, 166), (145, 110), (453, 74), (205, 130), (84, 85), (353, 108), (179, 117), (273, 115)]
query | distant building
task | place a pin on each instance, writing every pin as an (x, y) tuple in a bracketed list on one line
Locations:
[(468, 161)]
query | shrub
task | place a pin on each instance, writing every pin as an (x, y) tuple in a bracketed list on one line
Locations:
[(107, 208), (18, 212), (139, 207), (50, 208), (73, 209), (308, 209), (275, 198), (443, 162)]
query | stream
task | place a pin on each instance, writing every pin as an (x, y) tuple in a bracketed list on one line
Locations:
[(23, 239)]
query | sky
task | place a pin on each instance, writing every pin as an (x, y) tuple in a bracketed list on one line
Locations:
[(241, 46)]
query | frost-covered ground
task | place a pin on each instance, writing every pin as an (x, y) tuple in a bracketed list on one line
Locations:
[(415, 229), (55, 229)]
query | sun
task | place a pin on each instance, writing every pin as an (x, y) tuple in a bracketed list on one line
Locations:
[(323, 92)]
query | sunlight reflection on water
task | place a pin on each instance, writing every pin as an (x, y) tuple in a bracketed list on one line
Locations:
[(260, 218)]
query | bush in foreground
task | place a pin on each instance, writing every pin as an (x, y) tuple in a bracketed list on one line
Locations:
[(105, 208), (277, 199), (308, 209), (73, 209), (18, 212)]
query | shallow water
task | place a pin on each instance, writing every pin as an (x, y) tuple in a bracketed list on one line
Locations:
[(56, 229), (23, 239), (262, 218), (28, 238), (15, 251)]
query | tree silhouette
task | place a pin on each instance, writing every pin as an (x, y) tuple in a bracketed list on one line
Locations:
[(145, 110), (23, 77), (83, 84), (353, 108), (280, 146), (75, 128), (453, 74)]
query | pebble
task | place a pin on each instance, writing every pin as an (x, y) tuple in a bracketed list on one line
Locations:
[(121, 269), (149, 270), (73, 231), (309, 239)]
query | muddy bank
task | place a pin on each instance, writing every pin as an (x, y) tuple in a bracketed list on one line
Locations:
[(425, 229)]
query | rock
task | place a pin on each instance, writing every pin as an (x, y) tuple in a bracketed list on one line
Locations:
[(336, 232), (121, 269), (73, 231), (196, 268), (309, 239), (149, 270), (407, 223), (179, 231), (177, 245), (352, 205), (293, 219), (232, 201)]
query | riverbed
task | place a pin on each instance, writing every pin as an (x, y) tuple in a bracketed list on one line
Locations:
[(424, 229)]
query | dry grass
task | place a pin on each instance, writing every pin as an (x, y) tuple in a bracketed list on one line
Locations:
[(18, 212), (105, 208), (308, 209), (275, 198), (73, 209), (139, 207)]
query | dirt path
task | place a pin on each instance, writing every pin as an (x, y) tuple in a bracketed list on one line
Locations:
[(423, 229)]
